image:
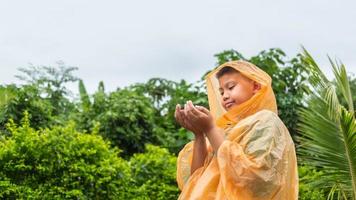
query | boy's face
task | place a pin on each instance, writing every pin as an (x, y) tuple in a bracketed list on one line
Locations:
[(236, 89)]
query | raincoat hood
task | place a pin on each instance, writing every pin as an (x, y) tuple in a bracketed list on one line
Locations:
[(263, 99)]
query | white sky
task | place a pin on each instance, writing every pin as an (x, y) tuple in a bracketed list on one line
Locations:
[(123, 42)]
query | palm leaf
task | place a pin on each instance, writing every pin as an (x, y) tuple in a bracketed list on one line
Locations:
[(84, 97), (328, 131), (342, 81)]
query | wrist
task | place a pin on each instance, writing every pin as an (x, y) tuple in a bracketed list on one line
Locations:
[(210, 130), (199, 136), (216, 137), (198, 133)]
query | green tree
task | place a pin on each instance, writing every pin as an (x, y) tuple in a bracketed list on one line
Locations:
[(125, 117), (51, 82), (165, 95), (328, 131), (6, 94), (43, 95), (18, 99)]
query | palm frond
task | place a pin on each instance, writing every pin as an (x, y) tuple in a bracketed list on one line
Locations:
[(339, 70), (348, 127), (328, 131), (332, 100), (317, 77), (339, 192)]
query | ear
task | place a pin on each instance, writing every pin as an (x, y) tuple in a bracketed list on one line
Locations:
[(256, 87)]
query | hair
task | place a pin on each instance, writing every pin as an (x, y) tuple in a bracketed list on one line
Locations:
[(225, 70)]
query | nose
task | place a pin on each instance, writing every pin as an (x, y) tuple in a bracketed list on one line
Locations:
[(225, 96)]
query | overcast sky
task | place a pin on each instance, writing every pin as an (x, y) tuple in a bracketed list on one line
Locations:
[(123, 42)]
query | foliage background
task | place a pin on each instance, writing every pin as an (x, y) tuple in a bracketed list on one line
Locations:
[(120, 144)]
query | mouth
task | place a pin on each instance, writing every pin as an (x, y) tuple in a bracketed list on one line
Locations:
[(229, 104)]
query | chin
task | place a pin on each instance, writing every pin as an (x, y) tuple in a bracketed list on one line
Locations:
[(231, 107)]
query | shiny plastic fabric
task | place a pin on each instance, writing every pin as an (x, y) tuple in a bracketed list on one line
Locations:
[(256, 161)]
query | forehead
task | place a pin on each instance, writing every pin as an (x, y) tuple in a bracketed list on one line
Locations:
[(229, 78)]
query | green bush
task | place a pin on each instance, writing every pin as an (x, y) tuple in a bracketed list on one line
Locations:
[(59, 163), (306, 191), (154, 174)]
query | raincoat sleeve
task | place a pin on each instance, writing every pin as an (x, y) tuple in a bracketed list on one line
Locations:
[(184, 162), (251, 167)]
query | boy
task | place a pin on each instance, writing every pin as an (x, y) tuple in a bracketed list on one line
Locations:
[(242, 150)]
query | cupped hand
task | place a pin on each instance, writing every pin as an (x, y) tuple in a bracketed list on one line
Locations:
[(199, 116), (186, 123)]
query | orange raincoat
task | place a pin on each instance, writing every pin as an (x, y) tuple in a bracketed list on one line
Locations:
[(256, 161)]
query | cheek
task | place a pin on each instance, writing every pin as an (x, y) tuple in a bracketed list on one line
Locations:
[(236, 94), (240, 95)]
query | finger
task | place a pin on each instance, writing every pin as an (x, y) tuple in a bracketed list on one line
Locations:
[(182, 116), (204, 110), (189, 116), (192, 117), (179, 116), (193, 109), (186, 109), (176, 111), (188, 122)]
